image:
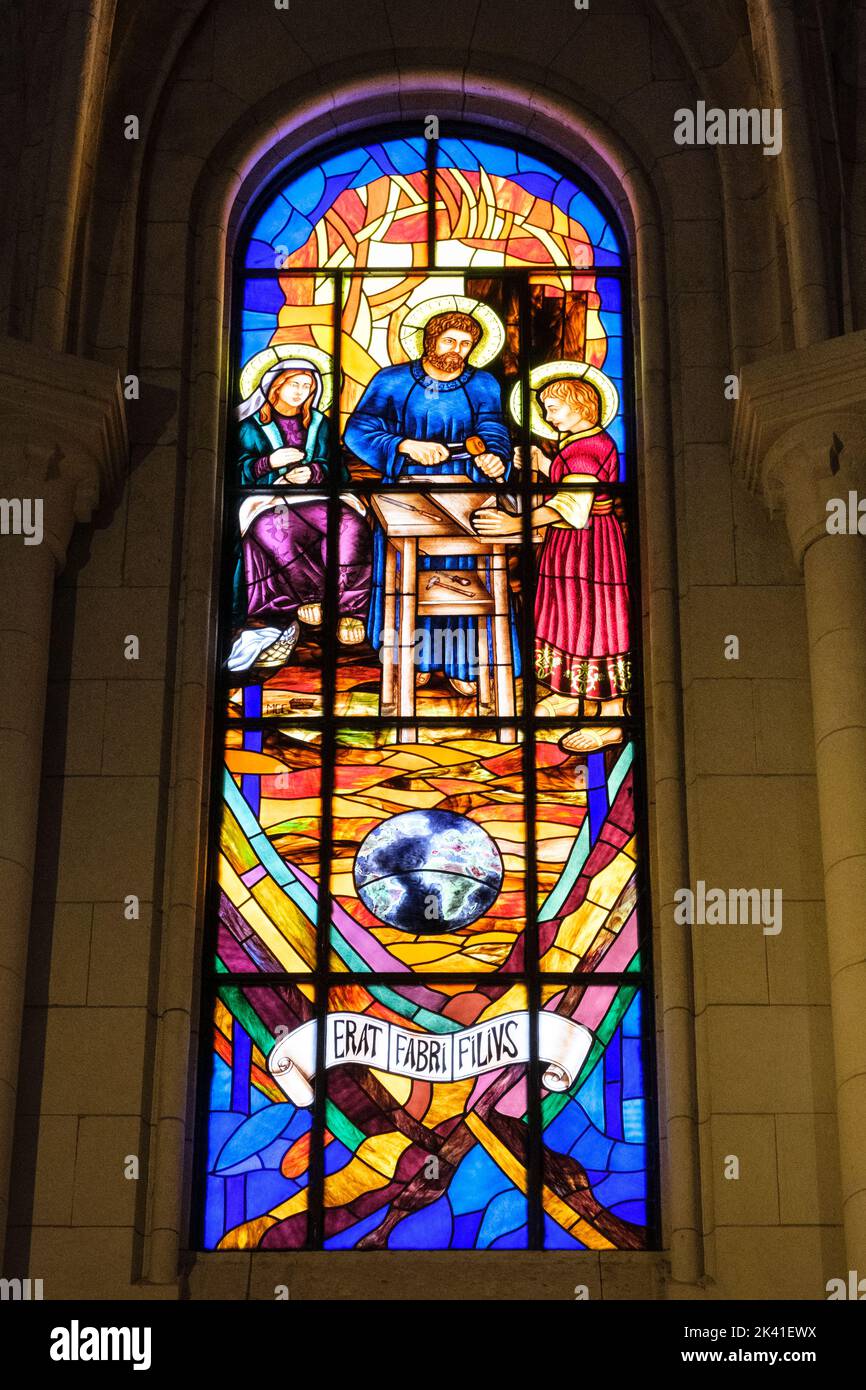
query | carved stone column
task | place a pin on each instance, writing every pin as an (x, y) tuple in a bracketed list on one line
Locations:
[(62, 449), (801, 437)]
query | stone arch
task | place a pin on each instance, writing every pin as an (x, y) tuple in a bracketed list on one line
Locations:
[(225, 186)]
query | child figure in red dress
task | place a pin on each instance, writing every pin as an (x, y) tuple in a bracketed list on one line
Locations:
[(581, 602)]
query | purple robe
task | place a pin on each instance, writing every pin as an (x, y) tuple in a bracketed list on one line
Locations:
[(284, 549)]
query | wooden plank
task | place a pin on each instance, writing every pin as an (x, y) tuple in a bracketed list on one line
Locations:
[(406, 698)]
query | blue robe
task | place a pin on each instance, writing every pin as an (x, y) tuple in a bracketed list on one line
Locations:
[(396, 406)]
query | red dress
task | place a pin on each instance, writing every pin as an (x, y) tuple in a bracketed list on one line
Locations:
[(581, 602)]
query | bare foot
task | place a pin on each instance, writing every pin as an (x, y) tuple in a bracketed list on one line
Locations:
[(590, 740), (311, 614), (350, 631)]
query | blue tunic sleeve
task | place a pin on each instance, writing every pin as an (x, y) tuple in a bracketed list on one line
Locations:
[(252, 445), (486, 397), (373, 431), (316, 446)]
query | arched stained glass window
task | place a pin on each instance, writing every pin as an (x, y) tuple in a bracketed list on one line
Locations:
[(428, 1011)]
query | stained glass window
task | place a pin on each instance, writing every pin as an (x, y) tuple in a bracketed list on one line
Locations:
[(428, 1008)]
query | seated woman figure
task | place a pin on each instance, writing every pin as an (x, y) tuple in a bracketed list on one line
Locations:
[(280, 577)]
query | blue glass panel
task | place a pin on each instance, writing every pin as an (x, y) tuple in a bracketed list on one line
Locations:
[(631, 1067), (267, 1189), (220, 1085), (613, 359), (506, 1214), (619, 1187), (263, 296), (555, 1238), (273, 219), (564, 192), (348, 1239), (259, 323), (369, 172), (214, 1213), (632, 1211), (235, 1189), (591, 1095), (306, 192), (528, 162), (633, 1121), (260, 255), (251, 343), (458, 154), (477, 1180), (336, 1156), (610, 292), (514, 1240), (428, 1229), (587, 214), (540, 185), (630, 1156), (466, 1230), (631, 1023), (566, 1128), (399, 157), (496, 159), (350, 161), (592, 1149)]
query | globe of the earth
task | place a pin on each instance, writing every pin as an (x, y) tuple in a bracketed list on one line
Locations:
[(428, 871)]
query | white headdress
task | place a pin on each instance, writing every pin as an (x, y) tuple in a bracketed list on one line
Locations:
[(254, 402)]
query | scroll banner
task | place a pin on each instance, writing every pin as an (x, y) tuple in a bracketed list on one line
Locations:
[(373, 1042)]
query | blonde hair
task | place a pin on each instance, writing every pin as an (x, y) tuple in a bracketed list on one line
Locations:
[(266, 412), (579, 394)]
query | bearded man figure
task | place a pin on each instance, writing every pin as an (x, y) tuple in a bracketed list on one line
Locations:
[(404, 424)]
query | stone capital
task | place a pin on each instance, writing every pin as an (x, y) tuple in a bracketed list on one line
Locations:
[(800, 432), (63, 434)]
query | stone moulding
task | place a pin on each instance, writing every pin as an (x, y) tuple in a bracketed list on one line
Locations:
[(229, 181), (787, 393), (75, 409)]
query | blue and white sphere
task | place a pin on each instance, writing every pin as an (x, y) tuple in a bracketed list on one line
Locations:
[(428, 871)]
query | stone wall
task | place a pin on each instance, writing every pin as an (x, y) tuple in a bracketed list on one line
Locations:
[(736, 260)]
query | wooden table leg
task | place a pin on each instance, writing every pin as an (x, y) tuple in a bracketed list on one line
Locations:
[(502, 654), (484, 696), (483, 653), (408, 574), (389, 631)]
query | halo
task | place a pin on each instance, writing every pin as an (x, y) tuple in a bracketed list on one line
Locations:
[(489, 344), (254, 370), (559, 371)]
